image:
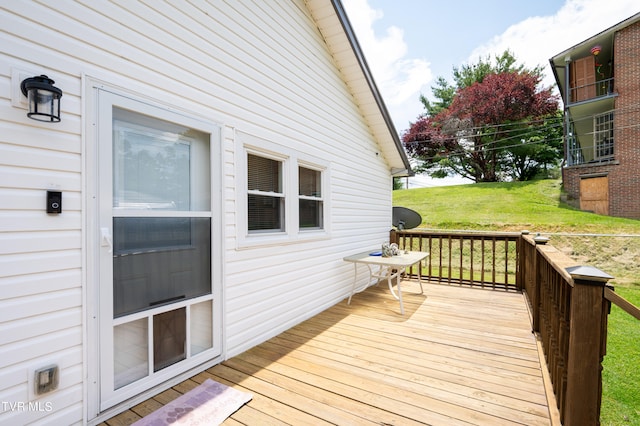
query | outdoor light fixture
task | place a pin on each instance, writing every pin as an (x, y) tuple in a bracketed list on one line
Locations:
[(43, 98)]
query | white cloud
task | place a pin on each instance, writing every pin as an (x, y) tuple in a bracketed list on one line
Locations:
[(399, 79), (402, 79), (535, 40)]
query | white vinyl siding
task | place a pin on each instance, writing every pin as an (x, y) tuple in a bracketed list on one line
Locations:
[(259, 68)]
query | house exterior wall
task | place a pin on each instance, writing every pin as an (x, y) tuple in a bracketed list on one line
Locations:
[(260, 69), (625, 199), (624, 172)]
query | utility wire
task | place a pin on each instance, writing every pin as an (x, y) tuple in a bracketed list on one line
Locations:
[(486, 150), (482, 146), (532, 131), (617, 112)]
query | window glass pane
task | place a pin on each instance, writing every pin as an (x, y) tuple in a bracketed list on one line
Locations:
[(309, 182), (130, 353), (264, 174), (158, 165), (604, 136), (310, 214), (201, 327), (158, 260), (266, 213), (169, 338)]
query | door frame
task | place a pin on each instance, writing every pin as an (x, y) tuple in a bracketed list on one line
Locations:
[(92, 241)]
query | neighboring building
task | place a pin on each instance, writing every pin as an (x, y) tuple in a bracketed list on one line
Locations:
[(599, 80), (215, 161)]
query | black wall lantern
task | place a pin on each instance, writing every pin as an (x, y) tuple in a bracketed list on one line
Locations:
[(43, 98)]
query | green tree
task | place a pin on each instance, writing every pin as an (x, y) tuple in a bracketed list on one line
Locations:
[(495, 123), (398, 183), (536, 152), (488, 131), (443, 92)]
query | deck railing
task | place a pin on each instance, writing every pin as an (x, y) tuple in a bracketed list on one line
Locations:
[(484, 259), (569, 303), (569, 314)]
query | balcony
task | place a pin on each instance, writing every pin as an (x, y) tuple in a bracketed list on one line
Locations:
[(588, 92)]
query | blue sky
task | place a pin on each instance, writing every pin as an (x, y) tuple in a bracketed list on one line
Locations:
[(446, 32), (409, 43)]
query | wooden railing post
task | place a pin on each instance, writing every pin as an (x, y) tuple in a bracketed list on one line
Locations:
[(521, 262), (535, 285), (584, 380), (538, 277)]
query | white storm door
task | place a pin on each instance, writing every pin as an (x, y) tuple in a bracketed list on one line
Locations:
[(159, 291)]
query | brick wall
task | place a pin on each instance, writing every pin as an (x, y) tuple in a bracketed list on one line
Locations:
[(624, 174)]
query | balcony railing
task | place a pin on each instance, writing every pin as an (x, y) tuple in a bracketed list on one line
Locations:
[(569, 303), (599, 89), (602, 153)]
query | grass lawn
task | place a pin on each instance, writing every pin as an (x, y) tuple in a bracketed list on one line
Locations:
[(513, 206), (620, 376), (586, 237)]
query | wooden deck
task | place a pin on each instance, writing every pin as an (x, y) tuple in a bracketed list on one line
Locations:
[(458, 356)]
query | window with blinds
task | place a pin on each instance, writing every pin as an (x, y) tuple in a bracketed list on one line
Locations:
[(310, 198), (265, 194), (285, 194)]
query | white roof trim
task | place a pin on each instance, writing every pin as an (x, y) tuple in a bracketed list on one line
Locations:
[(334, 25)]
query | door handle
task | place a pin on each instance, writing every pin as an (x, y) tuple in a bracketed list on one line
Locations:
[(105, 239)]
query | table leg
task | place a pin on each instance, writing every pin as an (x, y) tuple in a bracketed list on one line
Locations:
[(398, 296), (355, 279)]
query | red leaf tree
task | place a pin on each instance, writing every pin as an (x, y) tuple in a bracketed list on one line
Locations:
[(473, 137)]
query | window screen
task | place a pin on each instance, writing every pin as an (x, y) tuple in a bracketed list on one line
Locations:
[(161, 168), (265, 197), (310, 198)]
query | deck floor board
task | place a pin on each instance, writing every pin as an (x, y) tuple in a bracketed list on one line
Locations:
[(458, 356)]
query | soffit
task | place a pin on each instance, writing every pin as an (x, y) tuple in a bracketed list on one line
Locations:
[(343, 46), (604, 39)]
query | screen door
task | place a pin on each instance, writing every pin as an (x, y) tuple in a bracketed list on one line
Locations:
[(158, 304)]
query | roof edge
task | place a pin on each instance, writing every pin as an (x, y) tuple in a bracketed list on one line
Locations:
[(612, 29), (353, 41)]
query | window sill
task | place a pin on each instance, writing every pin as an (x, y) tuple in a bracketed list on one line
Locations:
[(272, 240), (594, 164)]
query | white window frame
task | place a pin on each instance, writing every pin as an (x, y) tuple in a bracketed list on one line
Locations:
[(320, 198), (603, 130), (291, 159), (282, 195)]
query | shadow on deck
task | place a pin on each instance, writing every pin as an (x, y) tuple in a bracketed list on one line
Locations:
[(458, 356)]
